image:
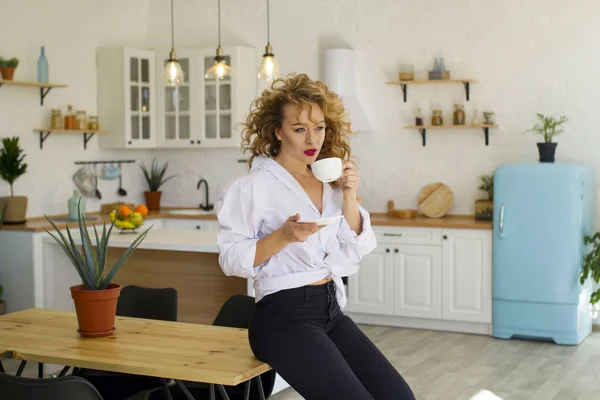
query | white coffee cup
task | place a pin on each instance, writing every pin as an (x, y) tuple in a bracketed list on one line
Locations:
[(327, 169)]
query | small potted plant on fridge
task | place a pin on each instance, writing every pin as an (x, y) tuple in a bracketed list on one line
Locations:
[(484, 209), (155, 178), (548, 127), (8, 67), (12, 166), (96, 298)]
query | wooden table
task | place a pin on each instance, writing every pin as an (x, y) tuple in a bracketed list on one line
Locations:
[(169, 350)]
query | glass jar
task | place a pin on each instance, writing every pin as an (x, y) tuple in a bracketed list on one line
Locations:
[(69, 118), (93, 124), (437, 118), (56, 119), (459, 114), (81, 120), (419, 118)]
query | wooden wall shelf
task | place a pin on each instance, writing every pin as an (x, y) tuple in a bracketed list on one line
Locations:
[(423, 129), (404, 84), (44, 87), (87, 134)]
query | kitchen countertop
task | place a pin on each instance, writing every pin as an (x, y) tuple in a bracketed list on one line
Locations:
[(39, 224)]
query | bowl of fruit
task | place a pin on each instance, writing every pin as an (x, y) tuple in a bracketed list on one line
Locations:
[(128, 221)]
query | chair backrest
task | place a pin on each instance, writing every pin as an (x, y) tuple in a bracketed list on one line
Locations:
[(64, 387), (237, 313), (151, 303)]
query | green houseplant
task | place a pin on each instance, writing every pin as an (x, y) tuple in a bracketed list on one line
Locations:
[(8, 68), (591, 265), (96, 298), (155, 178), (548, 127), (484, 209), (12, 166)]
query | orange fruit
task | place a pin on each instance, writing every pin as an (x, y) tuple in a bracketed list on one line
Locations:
[(124, 211), (142, 209)]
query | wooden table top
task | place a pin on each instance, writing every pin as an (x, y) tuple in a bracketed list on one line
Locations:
[(172, 350)]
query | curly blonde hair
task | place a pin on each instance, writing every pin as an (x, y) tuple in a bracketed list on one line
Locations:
[(266, 114)]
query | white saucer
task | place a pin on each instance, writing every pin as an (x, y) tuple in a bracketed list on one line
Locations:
[(325, 221)]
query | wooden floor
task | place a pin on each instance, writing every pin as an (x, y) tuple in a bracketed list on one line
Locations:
[(451, 366)]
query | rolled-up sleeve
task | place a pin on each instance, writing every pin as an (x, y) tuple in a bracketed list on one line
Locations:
[(238, 232), (355, 246)]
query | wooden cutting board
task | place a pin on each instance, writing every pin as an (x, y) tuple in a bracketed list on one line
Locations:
[(435, 200)]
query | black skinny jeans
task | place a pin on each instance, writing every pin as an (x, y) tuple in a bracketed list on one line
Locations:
[(319, 351)]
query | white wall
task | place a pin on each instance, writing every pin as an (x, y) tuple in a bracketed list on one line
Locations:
[(534, 56)]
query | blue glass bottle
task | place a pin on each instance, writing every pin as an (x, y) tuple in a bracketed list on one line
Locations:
[(42, 67)]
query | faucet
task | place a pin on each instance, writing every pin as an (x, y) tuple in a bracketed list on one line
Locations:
[(208, 206)]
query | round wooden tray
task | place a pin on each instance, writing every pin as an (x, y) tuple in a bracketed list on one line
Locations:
[(435, 200)]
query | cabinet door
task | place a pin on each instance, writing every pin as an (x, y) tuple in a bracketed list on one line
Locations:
[(140, 98), (467, 272), (417, 281), (183, 224), (178, 123), (371, 289)]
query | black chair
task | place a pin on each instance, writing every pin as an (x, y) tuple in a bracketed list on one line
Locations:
[(65, 387), (236, 313), (138, 302)]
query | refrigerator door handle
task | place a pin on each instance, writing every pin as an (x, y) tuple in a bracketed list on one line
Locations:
[(502, 219)]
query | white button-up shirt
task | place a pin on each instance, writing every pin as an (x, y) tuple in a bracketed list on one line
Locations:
[(259, 203)]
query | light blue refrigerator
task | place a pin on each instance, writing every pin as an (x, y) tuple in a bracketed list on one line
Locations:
[(542, 211)]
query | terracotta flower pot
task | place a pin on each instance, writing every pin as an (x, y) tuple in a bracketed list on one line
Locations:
[(96, 309), (153, 200), (16, 209), (8, 73)]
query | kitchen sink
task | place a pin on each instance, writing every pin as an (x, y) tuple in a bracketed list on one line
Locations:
[(191, 212)]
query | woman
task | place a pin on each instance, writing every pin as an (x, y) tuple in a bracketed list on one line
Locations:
[(298, 327)]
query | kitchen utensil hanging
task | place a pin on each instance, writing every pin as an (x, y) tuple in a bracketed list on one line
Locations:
[(121, 191)]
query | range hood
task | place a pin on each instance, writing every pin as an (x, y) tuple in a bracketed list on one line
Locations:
[(340, 76)]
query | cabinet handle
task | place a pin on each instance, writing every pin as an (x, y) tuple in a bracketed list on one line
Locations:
[(445, 237), (197, 226), (191, 142), (198, 141), (396, 250), (130, 142), (502, 218), (392, 234), (387, 250)]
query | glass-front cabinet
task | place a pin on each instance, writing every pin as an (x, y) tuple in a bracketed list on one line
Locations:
[(198, 113)]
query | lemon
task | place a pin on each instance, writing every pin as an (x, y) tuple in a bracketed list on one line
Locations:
[(136, 219)]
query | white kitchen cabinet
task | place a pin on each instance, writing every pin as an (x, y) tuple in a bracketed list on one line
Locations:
[(429, 278), (371, 289), (127, 98), (417, 281), (467, 275)]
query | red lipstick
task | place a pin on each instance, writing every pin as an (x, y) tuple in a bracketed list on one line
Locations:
[(310, 152)]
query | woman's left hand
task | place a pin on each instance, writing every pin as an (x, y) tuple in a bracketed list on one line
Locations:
[(349, 179)]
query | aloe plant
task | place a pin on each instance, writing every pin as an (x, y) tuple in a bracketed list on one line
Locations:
[(90, 264), (155, 177)]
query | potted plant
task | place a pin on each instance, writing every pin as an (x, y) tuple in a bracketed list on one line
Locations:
[(12, 167), (548, 127), (484, 209), (591, 267), (96, 298), (155, 178), (8, 68)]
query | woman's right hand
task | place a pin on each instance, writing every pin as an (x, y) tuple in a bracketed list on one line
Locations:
[(294, 231)]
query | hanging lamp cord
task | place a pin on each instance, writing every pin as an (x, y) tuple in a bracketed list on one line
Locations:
[(219, 19), (268, 25), (172, 28)]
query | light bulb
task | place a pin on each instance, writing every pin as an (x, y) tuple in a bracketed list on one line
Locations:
[(173, 73), (269, 68), (220, 69)]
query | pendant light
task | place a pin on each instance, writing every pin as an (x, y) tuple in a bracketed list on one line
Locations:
[(269, 69), (173, 72), (220, 69)]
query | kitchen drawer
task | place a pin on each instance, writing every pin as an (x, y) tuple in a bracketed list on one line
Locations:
[(408, 235)]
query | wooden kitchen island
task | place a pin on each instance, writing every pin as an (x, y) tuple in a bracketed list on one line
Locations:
[(184, 260)]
